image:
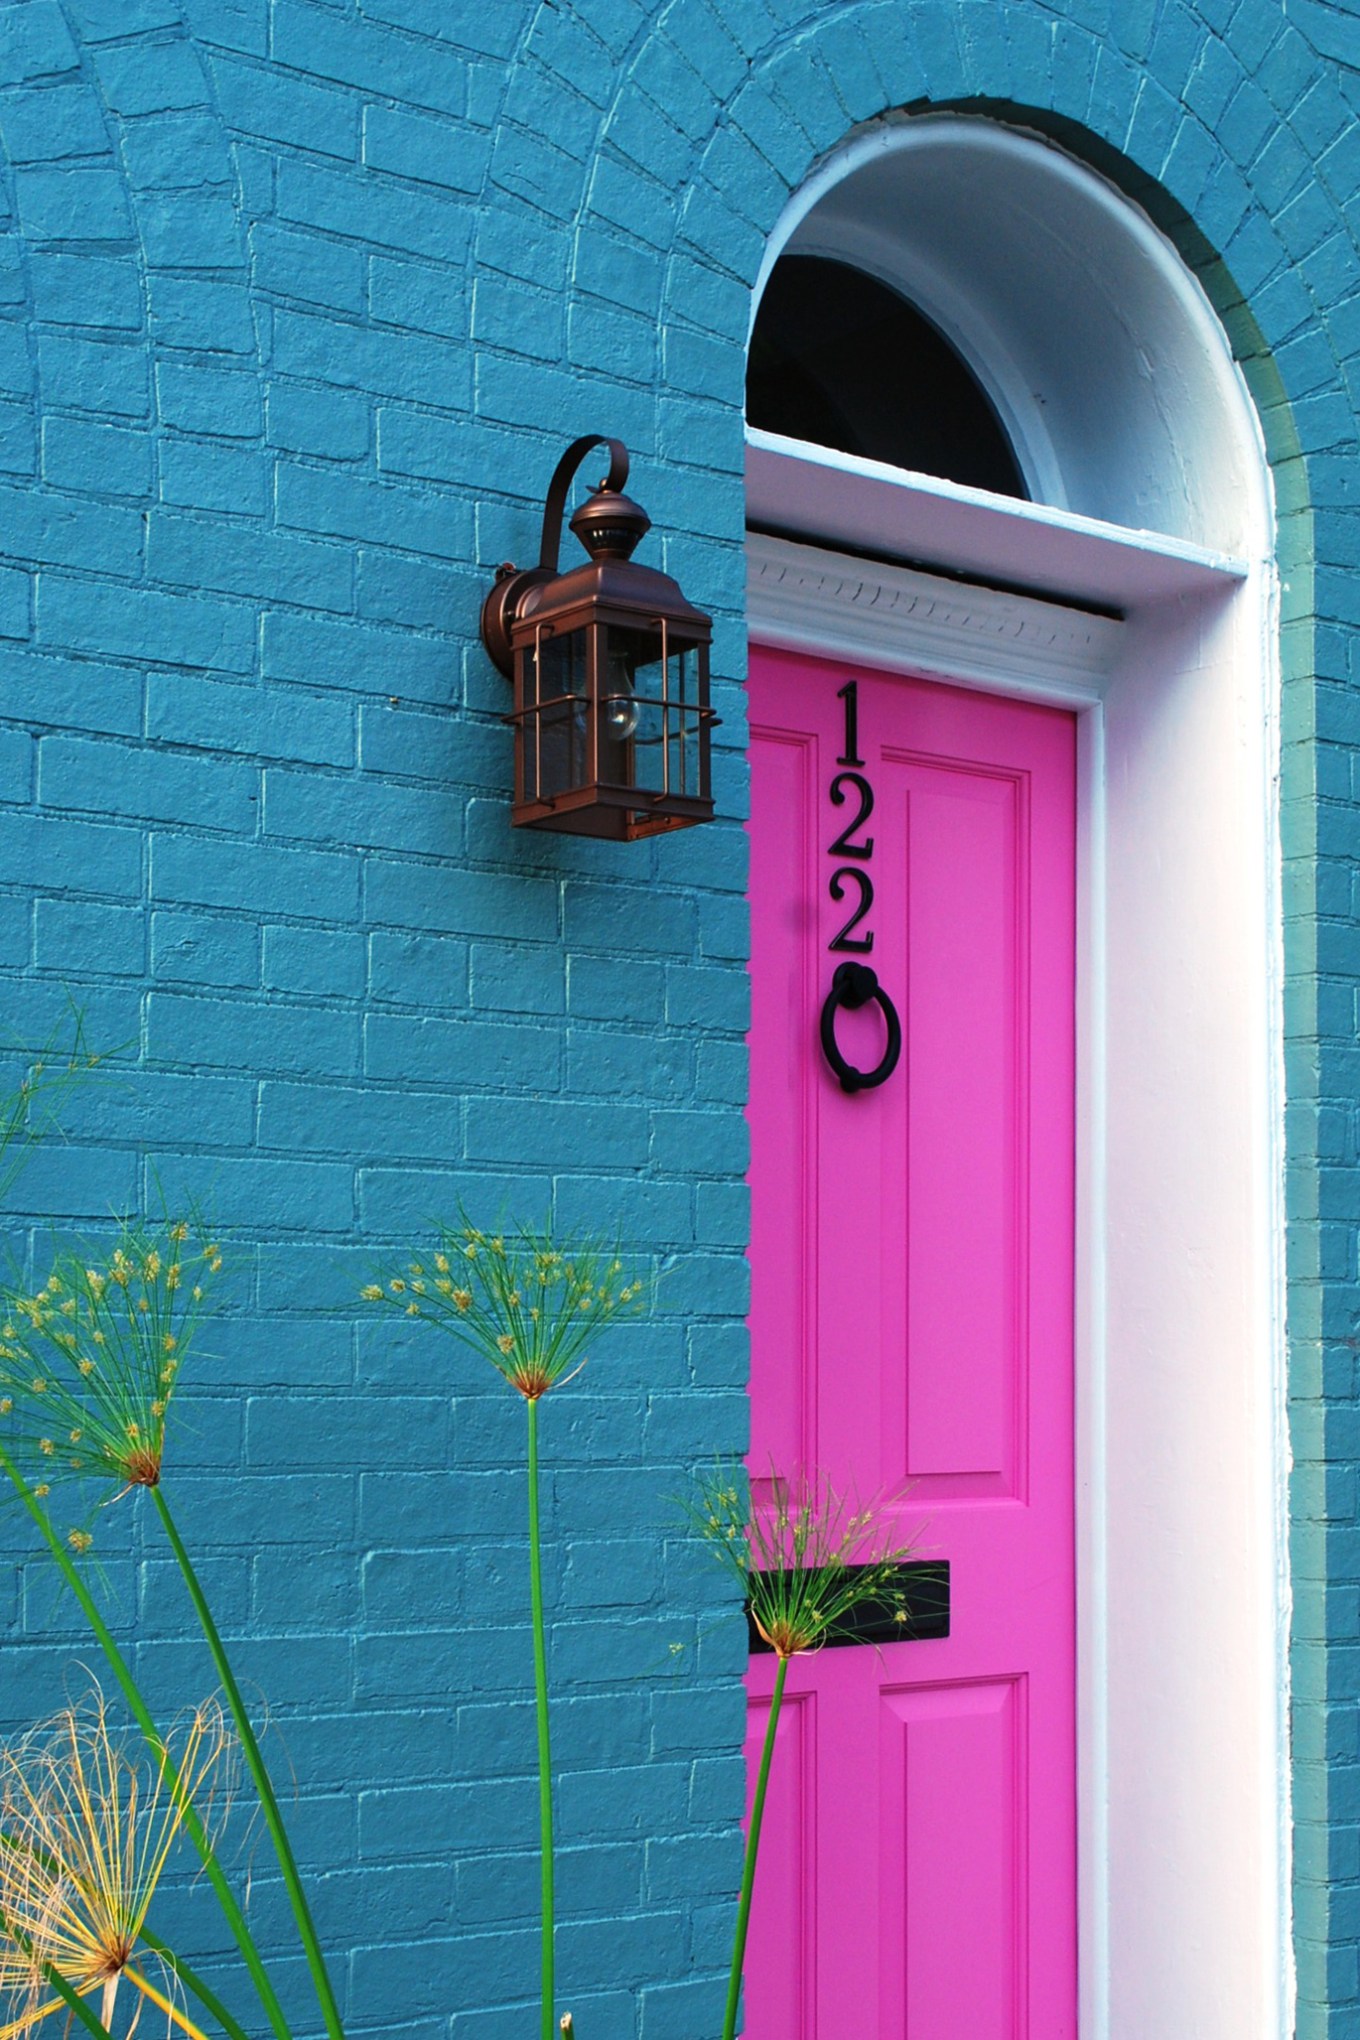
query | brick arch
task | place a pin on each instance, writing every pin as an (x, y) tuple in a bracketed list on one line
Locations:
[(18, 355), (114, 147), (89, 140), (70, 253), (1214, 163), (145, 367), (129, 304)]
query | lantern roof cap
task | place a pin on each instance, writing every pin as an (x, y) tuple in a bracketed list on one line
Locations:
[(611, 583)]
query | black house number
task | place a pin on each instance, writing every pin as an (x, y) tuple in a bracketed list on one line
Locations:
[(855, 984), (852, 880)]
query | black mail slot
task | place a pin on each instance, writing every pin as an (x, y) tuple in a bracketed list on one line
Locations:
[(913, 1607)]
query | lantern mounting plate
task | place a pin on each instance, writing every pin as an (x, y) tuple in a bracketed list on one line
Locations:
[(500, 608)]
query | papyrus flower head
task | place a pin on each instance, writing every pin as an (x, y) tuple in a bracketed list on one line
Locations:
[(531, 1307), (87, 1824), (806, 1559), (90, 1361)]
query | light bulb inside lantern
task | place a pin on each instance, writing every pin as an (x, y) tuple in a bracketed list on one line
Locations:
[(621, 716)]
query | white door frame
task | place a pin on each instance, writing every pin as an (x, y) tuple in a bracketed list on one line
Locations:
[(1182, 1445)]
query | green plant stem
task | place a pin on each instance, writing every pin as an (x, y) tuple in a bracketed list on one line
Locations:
[(316, 1961), (748, 1868), (211, 2003), (141, 1713), (545, 1819)]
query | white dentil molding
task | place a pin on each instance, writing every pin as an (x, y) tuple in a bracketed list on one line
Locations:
[(805, 598)]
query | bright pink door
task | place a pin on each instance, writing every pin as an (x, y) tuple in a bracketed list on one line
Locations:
[(912, 1321)]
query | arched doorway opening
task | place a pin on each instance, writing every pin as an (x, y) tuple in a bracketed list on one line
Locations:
[(1133, 591)]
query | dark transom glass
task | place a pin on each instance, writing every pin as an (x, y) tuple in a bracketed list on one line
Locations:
[(840, 359)]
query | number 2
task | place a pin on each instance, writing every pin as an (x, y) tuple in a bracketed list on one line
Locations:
[(862, 944), (843, 847)]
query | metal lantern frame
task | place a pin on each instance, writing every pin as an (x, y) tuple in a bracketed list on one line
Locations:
[(634, 652)]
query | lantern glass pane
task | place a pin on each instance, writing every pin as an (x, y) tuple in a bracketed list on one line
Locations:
[(649, 722), (556, 752), (624, 658)]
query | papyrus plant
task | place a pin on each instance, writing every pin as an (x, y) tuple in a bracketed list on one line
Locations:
[(805, 1563), (90, 1365), (87, 1825), (532, 1308)]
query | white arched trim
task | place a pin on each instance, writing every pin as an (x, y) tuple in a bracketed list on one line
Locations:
[(1099, 350), (1182, 1448)]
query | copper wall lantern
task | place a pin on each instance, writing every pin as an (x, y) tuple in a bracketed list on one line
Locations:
[(610, 669)]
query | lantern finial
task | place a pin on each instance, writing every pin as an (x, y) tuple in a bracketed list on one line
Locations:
[(609, 525)]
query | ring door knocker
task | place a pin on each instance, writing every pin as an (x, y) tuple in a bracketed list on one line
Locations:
[(854, 985)]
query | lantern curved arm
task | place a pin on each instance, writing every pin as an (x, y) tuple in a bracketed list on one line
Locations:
[(556, 501), (513, 583)]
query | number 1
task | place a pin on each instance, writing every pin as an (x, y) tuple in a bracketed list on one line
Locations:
[(849, 694)]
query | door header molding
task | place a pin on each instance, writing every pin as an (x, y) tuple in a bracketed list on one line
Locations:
[(806, 598)]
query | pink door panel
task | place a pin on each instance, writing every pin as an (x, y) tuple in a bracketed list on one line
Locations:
[(912, 1324)]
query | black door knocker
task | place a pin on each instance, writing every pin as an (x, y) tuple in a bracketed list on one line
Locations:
[(853, 985)]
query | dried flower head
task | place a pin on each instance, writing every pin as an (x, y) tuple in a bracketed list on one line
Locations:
[(807, 1559), (531, 1307), (89, 1362), (86, 1826)]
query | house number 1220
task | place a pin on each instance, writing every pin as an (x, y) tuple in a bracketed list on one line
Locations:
[(850, 784)]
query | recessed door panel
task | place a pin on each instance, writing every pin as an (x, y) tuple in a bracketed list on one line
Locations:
[(963, 877), (952, 1816)]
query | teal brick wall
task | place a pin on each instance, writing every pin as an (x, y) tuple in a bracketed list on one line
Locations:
[(298, 303)]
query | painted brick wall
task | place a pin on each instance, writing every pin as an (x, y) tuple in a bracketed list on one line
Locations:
[(299, 300)]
